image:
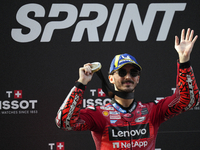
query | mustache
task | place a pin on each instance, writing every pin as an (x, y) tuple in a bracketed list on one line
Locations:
[(127, 81)]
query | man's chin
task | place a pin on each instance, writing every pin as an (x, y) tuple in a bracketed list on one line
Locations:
[(127, 90)]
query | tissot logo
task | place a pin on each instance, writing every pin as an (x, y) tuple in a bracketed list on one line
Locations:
[(101, 93), (58, 145), (17, 94), (127, 133), (130, 17), (15, 103), (98, 98)]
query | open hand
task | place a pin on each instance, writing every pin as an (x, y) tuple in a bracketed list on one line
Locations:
[(184, 48)]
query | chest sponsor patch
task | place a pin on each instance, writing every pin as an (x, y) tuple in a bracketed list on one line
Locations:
[(115, 115), (128, 115), (105, 113), (140, 119), (106, 108), (113, 121), (144, 111), (129, 132)]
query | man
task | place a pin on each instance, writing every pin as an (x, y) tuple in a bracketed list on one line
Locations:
[(125, 123)]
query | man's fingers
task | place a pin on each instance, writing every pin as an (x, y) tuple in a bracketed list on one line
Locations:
[(195, 38), (87, 69), (191, 35), (176, 41), (183, 35), (187, 34)]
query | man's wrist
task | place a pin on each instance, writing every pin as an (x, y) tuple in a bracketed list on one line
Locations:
[(80, 85), (82, 81), (184, 65)]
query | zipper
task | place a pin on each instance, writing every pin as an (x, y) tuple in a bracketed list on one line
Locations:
[(129, 127)]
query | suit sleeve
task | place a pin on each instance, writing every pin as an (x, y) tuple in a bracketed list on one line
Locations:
[(185, 97), (68, 115), (187, 92)]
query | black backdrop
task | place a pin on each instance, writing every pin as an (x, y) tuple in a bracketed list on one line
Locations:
[(36, 75)]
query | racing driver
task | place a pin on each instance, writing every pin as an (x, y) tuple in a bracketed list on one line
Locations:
[(125, 123)]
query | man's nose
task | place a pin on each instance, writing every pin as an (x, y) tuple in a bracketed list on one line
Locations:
[(128, 75)]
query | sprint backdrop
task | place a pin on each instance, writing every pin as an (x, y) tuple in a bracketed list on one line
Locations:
[(43, 43)]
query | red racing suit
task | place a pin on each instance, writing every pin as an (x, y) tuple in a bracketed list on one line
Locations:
[(134, 128)]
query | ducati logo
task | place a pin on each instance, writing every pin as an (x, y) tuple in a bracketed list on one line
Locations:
[(140, 119)]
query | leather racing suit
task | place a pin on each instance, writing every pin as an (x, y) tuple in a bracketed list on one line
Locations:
[(136, 127)]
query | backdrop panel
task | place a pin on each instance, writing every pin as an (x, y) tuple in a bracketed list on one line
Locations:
[(43, 43)]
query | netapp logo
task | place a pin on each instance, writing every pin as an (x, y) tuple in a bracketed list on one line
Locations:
[(131, 16), (123, 145), (127, 133)]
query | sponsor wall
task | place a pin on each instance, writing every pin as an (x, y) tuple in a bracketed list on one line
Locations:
[(43, 43)]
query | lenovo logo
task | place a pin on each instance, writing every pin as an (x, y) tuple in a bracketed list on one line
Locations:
[(127, 133)]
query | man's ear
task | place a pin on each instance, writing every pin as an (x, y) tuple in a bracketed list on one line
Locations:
[(111, 79), (138, 79)]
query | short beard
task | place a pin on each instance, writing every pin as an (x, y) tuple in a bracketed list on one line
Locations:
[(127, 90)]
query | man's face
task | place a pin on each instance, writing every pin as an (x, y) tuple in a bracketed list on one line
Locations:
[(126, 83)]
